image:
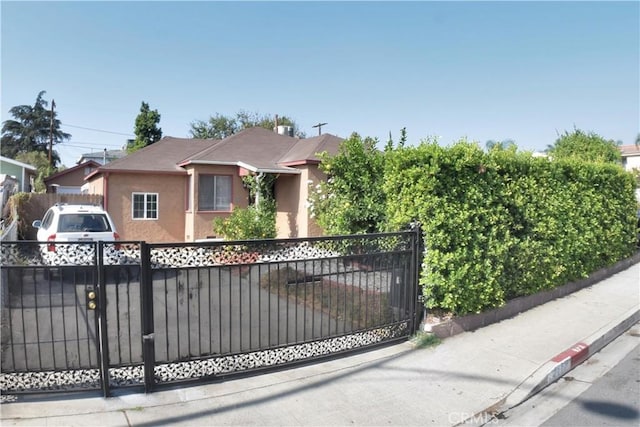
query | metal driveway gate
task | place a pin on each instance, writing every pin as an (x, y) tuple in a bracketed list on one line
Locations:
[(163, 314)]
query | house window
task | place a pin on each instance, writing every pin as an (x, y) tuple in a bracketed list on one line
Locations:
[(214, 193), (145, 205)]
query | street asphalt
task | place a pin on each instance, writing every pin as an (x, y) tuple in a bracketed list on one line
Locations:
[(463, 380)]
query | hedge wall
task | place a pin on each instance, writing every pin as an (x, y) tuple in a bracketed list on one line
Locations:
[(504, 224)]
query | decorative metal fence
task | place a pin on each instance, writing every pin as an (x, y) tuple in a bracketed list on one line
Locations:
[(87, 315)]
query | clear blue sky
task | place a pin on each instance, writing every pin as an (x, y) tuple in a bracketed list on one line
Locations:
[(482, 70)]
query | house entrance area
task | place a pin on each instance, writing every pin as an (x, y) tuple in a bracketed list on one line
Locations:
[(132, 314)]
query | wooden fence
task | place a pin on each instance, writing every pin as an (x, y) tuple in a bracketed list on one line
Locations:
[(32, 206)]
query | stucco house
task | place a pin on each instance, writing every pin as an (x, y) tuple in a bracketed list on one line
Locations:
[(70, 180), (23, 173), (630, 156), (101, 157), (172, 190)]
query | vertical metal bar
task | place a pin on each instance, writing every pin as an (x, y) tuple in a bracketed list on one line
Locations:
[(64, 328), (10, 309), (279, 298), (250, 307), (166, 315), (418, 246), (259, 306), (198, 282), (177, 311), (129, 318), (51, 322), (36, 308), (313, 299), (240, 305), (322, 274), (118, 325), (286, 284), (77, 312), (346, 297), (188, 300), (220, 309), (366, 302), (101, 313), (210, 298), (230, 311), (296, 287), (146, 303)]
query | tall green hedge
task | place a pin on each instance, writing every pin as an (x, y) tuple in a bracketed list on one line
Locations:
[(504, 224)]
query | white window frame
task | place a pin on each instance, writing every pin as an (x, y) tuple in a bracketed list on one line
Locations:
[(146, 196), (216, 208)]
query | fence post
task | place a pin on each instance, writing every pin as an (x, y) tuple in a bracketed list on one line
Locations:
[(101, 313), (418, 256), (146, 308)]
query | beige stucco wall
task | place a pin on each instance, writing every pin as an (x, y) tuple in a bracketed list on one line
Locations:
[(292, 193), (96, 185), (199, 223), (171, 190), (71, 179)]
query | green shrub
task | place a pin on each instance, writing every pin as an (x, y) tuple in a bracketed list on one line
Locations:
[(248, 223), (503, 224)]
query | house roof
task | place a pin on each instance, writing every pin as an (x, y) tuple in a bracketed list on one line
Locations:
[(88, 163), (109, 154), (307, 150), (163, 156), (261, 150), (629, 150), (255, 149), (17, 163)]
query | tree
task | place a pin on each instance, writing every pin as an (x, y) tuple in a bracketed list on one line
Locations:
[(41, 162), (500, 145), (146, 128), (351, 200), (32, 130), (589, 147), (220, 127)]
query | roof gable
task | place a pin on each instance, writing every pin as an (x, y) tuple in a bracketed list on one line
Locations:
[(162, 156), (88, 163), (17, 163)]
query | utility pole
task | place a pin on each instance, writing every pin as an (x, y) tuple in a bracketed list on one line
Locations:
[(53, 105), (319, 126)]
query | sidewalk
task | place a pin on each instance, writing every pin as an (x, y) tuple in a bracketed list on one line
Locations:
[(494, 367)]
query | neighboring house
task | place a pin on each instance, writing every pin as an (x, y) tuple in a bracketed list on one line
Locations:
[(71, 180), (172, 190), (23, 173), (630, 156), (102, 157)]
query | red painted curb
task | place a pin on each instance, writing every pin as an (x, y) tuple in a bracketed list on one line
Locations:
[(578, 353)]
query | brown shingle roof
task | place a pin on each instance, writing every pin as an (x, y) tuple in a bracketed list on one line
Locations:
[(163, 156), (256, 149), (306, 150)]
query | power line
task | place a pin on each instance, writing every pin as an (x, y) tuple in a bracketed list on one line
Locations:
[(91, 145), (97, 130)]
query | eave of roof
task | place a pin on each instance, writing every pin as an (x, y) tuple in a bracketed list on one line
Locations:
[(73, 169)]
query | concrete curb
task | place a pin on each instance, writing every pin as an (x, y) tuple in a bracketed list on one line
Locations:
[(565, 361)]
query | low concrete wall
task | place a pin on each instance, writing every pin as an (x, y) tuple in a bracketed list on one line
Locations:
[(472, 322)]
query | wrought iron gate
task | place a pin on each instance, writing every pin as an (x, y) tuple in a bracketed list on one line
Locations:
[(148, 315)]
